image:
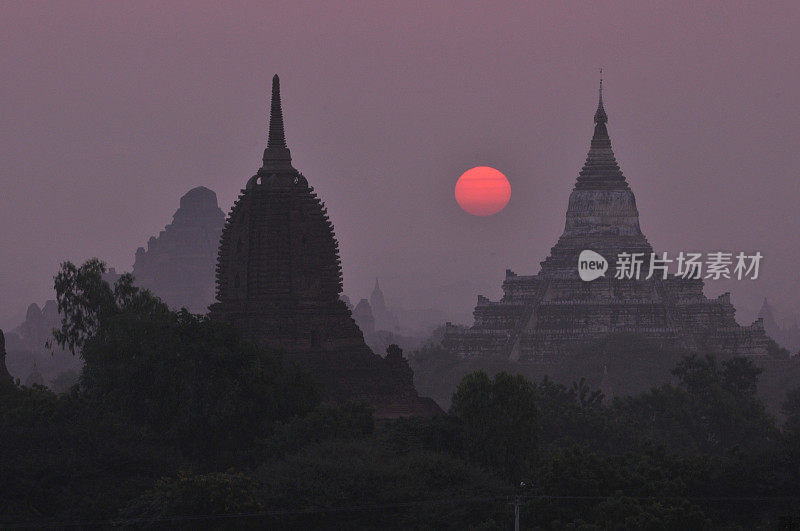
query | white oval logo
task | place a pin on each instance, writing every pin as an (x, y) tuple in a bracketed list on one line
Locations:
[(591, 265)]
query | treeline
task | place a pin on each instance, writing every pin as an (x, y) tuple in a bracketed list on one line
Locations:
[(178, 422)]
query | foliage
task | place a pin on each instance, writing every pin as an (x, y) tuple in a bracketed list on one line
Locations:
[(351, 421), (61, 459), (188, 379), (790, 408), (572, 414), (776, 351), (723, 400), (360, 483), (64, 381), (189, 494), (500, 420), (85, 301), (177, 421)]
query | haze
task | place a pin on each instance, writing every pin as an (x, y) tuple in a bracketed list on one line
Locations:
[(110, 112)]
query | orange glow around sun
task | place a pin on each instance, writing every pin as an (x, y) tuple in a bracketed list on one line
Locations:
[(483, 191)]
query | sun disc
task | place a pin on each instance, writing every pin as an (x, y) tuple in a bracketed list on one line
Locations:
[(482, 191)]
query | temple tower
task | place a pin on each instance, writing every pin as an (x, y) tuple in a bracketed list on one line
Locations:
[(279, 280), (547, 317), (383, 317), (601, 213), (278, 273)]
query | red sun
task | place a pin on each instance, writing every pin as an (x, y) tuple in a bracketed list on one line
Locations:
[(483, 191)]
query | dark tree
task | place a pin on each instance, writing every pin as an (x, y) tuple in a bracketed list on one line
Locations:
[(183, 376), (500, 420)]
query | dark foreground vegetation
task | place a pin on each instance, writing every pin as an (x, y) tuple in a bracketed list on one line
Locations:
[(176, 422)]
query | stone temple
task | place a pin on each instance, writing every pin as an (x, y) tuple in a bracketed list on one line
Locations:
[(179, 264), (279, 278), (545, 317)]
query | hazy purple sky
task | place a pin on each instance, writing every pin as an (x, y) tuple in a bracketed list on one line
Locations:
[(110, 112)]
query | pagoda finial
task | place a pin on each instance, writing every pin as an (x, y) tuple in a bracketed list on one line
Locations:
[(600, 116), (277, 154), (277, 138), (601, 84)]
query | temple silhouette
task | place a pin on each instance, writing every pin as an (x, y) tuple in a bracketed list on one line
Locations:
[(279, 279), (179, 264), (545, 317)]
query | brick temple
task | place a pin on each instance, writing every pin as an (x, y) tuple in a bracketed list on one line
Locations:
[(279, 278), (550, 315)]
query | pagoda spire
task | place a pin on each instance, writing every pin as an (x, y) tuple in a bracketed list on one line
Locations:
[(276, 153), (376, 291), (600, 116), (277, 138), (601, 169)]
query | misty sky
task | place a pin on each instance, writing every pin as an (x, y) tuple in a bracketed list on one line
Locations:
[(109, 113)]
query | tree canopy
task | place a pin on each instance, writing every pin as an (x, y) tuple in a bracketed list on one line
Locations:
[(175, 420)]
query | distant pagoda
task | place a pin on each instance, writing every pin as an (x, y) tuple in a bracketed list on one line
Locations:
[(279, 278), (548, 316), (384, 320)]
